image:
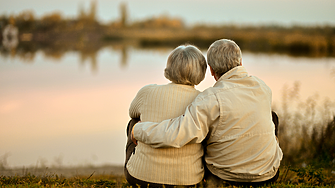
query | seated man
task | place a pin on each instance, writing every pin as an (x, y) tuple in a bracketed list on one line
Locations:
[(233, 119)]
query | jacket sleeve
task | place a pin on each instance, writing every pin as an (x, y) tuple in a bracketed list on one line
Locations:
[(192, 127)]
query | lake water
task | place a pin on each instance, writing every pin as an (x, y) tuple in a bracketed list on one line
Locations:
[(74, 111)]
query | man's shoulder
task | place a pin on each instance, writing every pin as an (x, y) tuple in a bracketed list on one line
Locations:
[(262, 83), (259, 80), (207, 94)]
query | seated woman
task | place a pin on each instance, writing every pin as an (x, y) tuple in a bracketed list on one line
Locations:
[(186, 67)]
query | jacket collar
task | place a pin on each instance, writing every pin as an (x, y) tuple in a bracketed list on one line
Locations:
[(234, 73)]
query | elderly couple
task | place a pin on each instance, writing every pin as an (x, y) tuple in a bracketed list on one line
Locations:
[(225, 134)]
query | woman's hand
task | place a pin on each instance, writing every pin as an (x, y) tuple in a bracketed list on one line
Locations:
[(132, 134)]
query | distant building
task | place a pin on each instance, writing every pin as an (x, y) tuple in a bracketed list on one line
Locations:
[(10, 37)]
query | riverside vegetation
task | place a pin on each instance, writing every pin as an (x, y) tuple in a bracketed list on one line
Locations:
[(306, 132)]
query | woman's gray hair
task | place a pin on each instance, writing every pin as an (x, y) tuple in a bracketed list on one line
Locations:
[(186, 65), (223, 55)]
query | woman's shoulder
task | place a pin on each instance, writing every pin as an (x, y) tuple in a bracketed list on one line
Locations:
[(168, 88), (148, 87), (182, 87)]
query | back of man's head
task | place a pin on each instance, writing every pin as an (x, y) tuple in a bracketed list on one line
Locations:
[(223, 55)]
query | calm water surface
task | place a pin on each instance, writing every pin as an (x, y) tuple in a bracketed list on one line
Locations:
[(70, 111)]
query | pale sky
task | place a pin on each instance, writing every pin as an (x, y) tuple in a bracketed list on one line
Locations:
[(286, 12)]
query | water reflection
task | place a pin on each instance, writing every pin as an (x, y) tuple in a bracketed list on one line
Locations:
[(88, 54), (91, 57), (124, 57)]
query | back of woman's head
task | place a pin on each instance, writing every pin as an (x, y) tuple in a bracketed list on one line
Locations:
[(186, 65)]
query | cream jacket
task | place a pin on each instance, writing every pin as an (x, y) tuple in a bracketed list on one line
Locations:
[(234, 119), (165, 165)]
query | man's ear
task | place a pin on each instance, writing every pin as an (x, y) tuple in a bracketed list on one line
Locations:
[(241, 62), (212, 72)]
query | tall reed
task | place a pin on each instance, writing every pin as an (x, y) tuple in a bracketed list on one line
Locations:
[(306, 130)]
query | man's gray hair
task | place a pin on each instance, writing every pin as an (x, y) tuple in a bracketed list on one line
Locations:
[(223, 55), (186, 65)]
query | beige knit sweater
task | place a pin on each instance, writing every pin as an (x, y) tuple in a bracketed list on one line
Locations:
[(174, 166)]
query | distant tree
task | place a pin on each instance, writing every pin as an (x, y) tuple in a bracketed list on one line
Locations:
[(50, 21), (160, 22), (4, 20), (124, 15), (25, 21), (81, 13), (93, 11), (89, 16)]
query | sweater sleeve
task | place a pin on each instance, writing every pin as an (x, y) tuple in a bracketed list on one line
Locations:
[(138, 101), (192, 127)]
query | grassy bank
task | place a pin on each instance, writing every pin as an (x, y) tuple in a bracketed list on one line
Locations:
[(289, 177)]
